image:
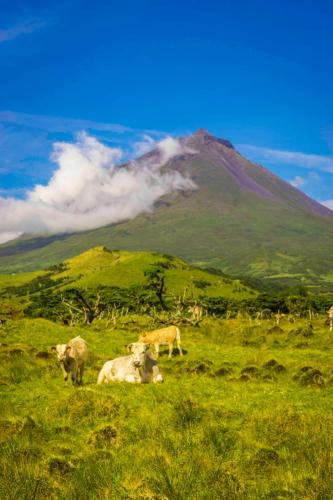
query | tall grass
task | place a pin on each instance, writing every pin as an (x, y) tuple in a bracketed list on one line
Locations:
[(233, 420)]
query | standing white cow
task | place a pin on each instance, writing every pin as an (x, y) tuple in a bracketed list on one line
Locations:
[(139, 367), (163, 336), (72, 358)]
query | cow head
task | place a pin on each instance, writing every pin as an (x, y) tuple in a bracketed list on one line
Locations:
[(61, 351), (138, 350)]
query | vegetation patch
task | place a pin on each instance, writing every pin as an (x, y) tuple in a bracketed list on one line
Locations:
[(255, 342), (251, 371), (308, 375), (224, 370), (59, 466), (103, 437), (199, 367), (304, 331), (276, 329), (44, 355), (188, 412), (265, 458), (274, 366)]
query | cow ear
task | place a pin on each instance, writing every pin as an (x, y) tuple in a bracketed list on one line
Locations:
[(53, 348), (68, 348), (147, 347), (128, 347)]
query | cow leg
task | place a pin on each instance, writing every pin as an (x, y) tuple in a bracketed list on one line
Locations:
[(157, 349), (179, 347), (331, 324), (81, 370), (74, 376), (65, 374), (170, 349), (156, 375)]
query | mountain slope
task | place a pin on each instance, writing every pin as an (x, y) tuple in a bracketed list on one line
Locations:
[(241, 219)]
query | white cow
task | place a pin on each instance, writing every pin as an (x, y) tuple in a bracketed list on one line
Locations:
[(139, 367), (163, 336), (72, 357)]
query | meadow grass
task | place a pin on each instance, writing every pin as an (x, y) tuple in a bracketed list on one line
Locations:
[(246, 413)]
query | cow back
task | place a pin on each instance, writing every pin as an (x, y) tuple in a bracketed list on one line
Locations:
[(78, 349), (161, 335)]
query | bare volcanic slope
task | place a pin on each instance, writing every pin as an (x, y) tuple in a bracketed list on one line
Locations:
[(241, 219)]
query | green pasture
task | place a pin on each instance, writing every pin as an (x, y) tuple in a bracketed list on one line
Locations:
[(246, 413)]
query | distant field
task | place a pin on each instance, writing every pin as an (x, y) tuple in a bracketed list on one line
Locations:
[(245, 414)]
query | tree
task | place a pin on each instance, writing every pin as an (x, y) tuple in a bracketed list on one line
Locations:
[(156, 283), (77, 303)]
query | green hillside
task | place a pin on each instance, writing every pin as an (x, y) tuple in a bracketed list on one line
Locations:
[(100, 267)]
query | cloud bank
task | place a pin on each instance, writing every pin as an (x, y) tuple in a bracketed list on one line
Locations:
[(89, 189), (303, 160)]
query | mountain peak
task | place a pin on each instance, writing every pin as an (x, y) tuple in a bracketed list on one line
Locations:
[(203, 136), (202, 132)]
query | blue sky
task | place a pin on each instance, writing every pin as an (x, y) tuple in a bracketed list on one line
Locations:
[(256, 72)]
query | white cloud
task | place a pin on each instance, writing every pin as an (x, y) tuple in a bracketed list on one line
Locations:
[(170, 147), (303, 160), (26, 142), (89, 190), (24, 28), (143, 146), (298, 181), (328, 204), (8, 236)]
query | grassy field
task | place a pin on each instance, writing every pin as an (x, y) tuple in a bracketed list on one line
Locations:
[(245, 414)]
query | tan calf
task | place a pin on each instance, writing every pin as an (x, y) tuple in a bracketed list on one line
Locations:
[(163, 336)]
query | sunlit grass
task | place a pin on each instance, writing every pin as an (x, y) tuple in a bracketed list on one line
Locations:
[(234, 418)]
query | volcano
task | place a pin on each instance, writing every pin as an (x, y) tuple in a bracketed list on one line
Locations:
[(240, 219)]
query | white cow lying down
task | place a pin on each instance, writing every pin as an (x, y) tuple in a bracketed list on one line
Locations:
[(72, 357), (139, 367)]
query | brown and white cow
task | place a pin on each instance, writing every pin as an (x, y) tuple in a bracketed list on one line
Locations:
[(163, 336), (139, 367), (72, 357)]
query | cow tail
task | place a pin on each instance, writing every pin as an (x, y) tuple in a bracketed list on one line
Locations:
[(177, 334)]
